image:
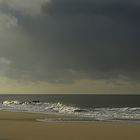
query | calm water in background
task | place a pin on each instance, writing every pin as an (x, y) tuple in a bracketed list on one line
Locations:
[(81, 100)]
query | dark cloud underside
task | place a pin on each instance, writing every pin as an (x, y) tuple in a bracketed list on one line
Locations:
[(78, 39)]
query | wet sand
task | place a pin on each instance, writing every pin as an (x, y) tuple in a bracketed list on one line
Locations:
[(23, 126)]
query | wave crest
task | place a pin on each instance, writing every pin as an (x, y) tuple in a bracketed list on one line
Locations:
[(126, 113)]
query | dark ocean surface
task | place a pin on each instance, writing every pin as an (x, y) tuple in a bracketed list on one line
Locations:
[(81, 100)]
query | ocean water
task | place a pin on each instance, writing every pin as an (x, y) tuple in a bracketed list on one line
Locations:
[(76, 107)]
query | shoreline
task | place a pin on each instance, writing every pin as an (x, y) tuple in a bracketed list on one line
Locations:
[(23, 126), (56, 118)]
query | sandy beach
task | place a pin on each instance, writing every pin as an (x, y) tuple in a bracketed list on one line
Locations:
[(23, 126)]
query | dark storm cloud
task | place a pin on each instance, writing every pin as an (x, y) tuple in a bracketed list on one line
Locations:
[(113, 8), (79, 39)]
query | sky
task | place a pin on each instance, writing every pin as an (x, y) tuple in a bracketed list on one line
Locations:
[(70, 46)]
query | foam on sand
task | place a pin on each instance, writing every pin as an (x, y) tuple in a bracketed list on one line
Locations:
[(84, 114)]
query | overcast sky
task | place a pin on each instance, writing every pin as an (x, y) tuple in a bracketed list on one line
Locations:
[(69, 46)]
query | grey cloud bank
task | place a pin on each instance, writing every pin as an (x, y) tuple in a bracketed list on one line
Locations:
[(71, 40)]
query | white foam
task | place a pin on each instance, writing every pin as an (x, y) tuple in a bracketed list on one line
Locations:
[(37, 107), (10, 102), (126, 113)]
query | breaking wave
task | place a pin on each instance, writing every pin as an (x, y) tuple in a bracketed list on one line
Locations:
[(36, 106), (103, 114)]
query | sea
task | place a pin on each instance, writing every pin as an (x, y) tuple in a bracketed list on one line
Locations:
[(76, 107)]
